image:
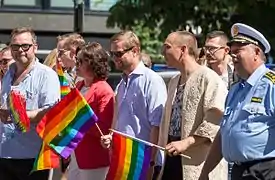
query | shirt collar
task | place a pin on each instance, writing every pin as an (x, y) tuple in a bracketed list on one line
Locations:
[(256, 75), (139, 70)]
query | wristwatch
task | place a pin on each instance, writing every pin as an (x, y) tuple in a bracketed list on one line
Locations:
[(152, 163)]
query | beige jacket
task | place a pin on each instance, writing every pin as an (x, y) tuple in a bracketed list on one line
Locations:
[(203, 106)]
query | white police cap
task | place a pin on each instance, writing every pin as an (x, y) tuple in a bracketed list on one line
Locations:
[(245, 34)]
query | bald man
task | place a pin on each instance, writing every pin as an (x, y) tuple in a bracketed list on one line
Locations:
[(193, 110)]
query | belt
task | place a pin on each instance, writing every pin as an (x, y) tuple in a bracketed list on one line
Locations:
[(250, 163)]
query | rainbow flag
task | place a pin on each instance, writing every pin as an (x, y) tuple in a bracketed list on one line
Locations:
[(64, 84), (46, 159), (17, 105), (130, 159), (64, 125)]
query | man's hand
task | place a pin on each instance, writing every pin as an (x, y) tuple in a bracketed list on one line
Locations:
[(5, 116), (106, 140), (177, 147)]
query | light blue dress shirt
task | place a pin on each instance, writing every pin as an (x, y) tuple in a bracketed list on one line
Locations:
[(141, 99), (41, 89), (248, 125)]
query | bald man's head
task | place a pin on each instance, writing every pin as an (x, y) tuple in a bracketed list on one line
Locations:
[(184, 38)]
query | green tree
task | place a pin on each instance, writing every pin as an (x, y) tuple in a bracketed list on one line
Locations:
[(162, 17)]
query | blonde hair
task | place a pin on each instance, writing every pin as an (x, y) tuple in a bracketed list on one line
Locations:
[(71, 40), (21, 30), (50, 60), (129, 37)]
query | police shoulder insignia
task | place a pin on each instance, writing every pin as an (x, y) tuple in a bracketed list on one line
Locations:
[(271, 76), (256, 99)]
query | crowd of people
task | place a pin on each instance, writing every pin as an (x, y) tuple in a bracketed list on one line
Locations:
[(218, 110)]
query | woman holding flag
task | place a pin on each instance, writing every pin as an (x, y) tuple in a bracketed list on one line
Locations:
[(90, 160)]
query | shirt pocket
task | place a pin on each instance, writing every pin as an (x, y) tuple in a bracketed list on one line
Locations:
[(254, 115), (31, 99)]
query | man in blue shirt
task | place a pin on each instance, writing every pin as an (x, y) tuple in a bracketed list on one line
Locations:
[(140, 95), (248, 126), (39, 85)]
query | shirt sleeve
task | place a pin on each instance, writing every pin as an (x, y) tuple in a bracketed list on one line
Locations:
[(213, 106), (50, 90), (104, 111), (156, 99)]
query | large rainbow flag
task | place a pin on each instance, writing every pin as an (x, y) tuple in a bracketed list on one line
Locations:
[(64, 85), (130, 159), (64, 125), (17, 105)]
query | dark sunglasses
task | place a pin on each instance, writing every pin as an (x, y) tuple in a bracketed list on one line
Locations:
[(119, 54), (24, 47), (4, 61)]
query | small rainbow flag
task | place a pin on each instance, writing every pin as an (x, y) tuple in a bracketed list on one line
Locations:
[(46, 159), (64, 85), (17, 104), (130, 159), (64, 125)]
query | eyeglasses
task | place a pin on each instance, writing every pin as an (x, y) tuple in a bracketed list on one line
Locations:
[(61, 52), (24, 47), (211, 49), (119, 54)]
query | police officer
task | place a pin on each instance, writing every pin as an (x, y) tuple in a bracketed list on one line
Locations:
[(247, 132)]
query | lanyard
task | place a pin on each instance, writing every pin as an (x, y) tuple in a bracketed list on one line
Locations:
[(17, 81)]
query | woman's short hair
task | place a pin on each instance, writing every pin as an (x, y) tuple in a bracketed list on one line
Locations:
[(97, 58)]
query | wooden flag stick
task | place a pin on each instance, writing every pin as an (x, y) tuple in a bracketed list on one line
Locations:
[(146, 142), (101, 133)]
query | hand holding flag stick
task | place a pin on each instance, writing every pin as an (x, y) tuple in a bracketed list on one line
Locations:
[(145, 142)]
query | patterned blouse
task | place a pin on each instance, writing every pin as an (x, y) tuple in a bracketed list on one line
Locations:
[(175, 123)]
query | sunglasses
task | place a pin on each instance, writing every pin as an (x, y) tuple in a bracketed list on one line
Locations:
[(119, 54), (4, 61)]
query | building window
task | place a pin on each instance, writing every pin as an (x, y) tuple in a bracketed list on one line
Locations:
[(62, 3), (101, 5), (21, 2)]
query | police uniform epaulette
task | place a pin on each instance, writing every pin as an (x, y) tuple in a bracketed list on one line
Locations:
[(271, 76)]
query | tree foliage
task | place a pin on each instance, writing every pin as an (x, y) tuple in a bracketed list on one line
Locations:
[(153, 20)]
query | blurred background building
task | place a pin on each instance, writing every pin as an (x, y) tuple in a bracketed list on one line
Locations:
[(50, 18)]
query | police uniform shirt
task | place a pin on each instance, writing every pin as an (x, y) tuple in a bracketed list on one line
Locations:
[(248, 125)]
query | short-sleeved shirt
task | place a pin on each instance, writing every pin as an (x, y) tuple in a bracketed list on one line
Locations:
[(248, 125), (141, 97), (41, 89)]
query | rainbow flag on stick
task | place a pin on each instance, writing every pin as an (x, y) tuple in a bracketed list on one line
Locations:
[(64, 85), (46, 159), (17, 104), (64, 125), (130, 158)]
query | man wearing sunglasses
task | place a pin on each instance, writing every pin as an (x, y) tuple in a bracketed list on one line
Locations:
[(216, 53), (140, 95), (39, 85)]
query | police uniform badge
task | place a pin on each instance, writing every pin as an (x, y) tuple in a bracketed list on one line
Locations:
[(270, 76), (235, 31)]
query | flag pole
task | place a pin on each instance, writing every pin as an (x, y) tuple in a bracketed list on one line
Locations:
[(146, 142), (101, 133)]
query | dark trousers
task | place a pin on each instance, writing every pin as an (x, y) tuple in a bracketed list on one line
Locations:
[(172, 167), (20, 169), (254, 170)]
